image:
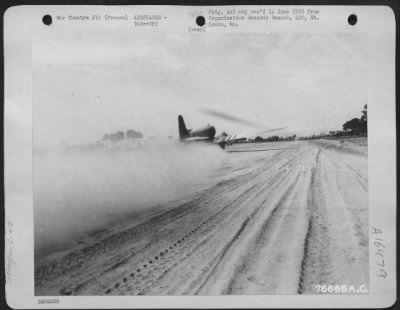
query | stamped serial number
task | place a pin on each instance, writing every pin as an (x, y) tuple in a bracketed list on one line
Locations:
[(48, 301), (341, 289)]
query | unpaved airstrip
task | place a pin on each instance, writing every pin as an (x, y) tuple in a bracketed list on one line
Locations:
[(276, 218)]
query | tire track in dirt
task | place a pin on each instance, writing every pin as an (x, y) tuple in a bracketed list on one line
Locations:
[(359, 177), (315, 262), (169, 217), (332, 245), (184, 252), (259, 238), (276, 183), (176, 251), (257, 270), (252, 220)]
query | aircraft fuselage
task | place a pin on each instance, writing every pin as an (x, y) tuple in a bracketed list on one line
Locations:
[(206, 132)]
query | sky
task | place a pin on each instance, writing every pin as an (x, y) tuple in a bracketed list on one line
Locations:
[(88, 84)]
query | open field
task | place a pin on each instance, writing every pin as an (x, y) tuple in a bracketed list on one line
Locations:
[(273, 218)]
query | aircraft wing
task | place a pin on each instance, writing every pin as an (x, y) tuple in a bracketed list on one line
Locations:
[(197, 139)]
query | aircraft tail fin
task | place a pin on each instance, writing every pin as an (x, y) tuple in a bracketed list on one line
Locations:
[(183, 132)]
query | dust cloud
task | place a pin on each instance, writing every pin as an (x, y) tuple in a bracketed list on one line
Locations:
[(79, 193)]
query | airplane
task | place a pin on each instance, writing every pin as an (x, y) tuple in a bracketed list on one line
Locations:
[(207, 134), (204, 133)]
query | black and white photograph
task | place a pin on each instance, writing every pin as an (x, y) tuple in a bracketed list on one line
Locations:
[(201, 162), (164, 169)]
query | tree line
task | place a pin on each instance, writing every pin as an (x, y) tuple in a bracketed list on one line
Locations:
[(273, 139), (120, 135), (355, 126), (358, 126)]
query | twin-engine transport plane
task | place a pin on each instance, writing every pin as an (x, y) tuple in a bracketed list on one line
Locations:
[(207, 133)]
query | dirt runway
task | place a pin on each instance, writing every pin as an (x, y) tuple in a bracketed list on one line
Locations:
[(276, 218)]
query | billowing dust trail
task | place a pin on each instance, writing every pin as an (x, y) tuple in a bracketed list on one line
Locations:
[(276, 221)]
